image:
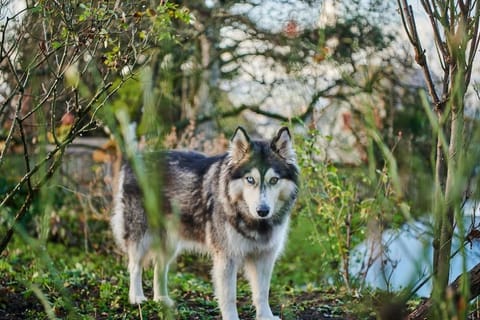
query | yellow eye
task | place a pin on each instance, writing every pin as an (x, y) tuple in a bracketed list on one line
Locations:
[(273, 180), (250, 180)]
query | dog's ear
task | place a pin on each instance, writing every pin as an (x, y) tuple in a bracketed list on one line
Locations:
[(239, 145), (282, 144)]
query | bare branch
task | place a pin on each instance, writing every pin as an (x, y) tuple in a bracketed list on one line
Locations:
[(10, 134), (407, 15), (440, 43), (25, 153), (474, 45)]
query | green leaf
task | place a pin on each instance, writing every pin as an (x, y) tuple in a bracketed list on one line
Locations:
[(56, 45)]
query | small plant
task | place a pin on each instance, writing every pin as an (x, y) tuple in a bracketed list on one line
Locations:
[(340, 203)]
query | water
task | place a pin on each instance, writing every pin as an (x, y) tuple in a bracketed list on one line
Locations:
[(407, 258)]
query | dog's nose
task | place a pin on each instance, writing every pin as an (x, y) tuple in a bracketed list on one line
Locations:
[(263, 210)]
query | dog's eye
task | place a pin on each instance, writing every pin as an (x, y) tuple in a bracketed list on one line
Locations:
[(250, 180), (273, 180)]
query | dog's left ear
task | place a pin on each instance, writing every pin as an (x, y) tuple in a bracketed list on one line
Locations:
[(282, 144)]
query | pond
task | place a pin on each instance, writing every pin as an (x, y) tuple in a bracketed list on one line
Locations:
[(406, 258)]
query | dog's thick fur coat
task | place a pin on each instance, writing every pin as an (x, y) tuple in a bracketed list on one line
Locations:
[(235, 207)]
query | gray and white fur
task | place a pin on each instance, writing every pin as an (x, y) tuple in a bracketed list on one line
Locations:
[(235, 207)]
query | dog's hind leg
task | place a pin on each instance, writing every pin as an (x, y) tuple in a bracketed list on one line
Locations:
[(136, 255), (160, 276)]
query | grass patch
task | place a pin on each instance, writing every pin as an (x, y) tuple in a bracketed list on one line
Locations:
[(63, 280)]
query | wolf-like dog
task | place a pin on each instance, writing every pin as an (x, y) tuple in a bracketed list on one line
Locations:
[(235, 207)]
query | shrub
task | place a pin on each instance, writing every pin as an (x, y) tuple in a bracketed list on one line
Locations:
[(340, 202)]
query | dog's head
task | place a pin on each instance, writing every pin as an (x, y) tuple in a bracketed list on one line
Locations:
[(264, 174)]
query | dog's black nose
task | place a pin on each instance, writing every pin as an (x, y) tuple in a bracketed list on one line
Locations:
[(263, 210)]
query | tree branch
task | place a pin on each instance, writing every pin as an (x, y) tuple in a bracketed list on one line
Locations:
[(411, 29)]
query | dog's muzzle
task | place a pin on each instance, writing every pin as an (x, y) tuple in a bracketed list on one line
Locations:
[(263, 210)]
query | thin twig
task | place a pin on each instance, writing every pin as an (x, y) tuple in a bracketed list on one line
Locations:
[(474, 42), (20, 213), (25, 153), (10, 134)]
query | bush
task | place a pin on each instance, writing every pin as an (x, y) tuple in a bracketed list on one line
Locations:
[(340, 202)]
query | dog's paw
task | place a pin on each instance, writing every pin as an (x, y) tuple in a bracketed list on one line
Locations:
[(165, 300), (137, 299), (269, 318)]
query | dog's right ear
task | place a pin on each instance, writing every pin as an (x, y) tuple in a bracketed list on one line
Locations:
[(239, 145), (283, 146)]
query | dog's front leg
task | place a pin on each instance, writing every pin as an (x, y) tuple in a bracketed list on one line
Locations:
[(258, 271), (135, 261), (160, 279), (224, 276)]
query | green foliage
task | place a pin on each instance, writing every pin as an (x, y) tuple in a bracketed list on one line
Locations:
[(340, 203), (59, 281), (158, 65), (58, 78), (116, 31), (75, 272)]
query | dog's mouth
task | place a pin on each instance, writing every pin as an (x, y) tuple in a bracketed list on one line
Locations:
[(264, 218)]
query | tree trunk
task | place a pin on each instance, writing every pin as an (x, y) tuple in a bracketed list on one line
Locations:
[(473, 278), (449, 206)]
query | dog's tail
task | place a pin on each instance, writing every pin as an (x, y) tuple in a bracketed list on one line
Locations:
[(117, 221)]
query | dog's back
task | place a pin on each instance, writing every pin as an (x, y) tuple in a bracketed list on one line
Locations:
[(181, 181)]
